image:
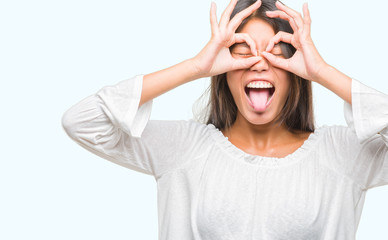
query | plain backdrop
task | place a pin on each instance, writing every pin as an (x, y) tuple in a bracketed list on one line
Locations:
[(55, 53)]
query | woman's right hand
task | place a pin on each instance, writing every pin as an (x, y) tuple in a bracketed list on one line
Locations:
[(215, 58)]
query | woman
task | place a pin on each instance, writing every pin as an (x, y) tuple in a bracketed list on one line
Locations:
[(258, 169)]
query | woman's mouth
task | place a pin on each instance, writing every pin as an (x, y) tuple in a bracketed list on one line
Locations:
[(259, 94)]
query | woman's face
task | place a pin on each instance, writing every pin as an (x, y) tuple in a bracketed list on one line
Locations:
[(262, 100)]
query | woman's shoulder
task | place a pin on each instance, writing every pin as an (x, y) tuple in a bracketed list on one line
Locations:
[(181, 130), (337, 136), (334, 129), (327, 137), (177, 125)]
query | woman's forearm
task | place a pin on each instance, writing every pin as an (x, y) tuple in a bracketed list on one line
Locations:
[(157, 83), (213, 59), (337, 82)]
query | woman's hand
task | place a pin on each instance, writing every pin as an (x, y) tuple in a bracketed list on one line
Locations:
[(215, 58), (306, 62)]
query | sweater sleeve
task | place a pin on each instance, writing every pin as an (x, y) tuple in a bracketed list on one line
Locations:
[(367, 118), (111, 125)]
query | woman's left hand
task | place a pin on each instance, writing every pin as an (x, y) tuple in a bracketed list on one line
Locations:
[(306, 61)]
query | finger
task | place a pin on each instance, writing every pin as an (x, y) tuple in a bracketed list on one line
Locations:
[(245, 62), (239, 17), (276, 61), (279, 37), (244, 37), (284, 16), (213, 17), (291, 12), (225, 17), (307, 18)]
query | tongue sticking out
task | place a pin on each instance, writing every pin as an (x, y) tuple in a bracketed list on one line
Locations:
[(259, 98)]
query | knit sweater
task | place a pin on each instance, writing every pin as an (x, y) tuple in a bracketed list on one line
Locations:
[(209, 189)]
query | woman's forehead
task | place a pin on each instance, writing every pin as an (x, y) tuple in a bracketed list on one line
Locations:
[(259, 30)]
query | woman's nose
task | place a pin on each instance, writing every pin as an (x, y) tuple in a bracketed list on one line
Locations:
[(261, 65)]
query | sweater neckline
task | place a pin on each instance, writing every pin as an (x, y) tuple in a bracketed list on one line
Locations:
[(293, 157)]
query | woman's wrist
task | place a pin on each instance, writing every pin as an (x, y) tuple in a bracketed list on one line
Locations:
[(194, 68), (186, 70), (323, 73), (198, 68)]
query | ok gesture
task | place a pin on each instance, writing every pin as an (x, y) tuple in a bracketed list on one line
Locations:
[(306, 62), (215, 57)]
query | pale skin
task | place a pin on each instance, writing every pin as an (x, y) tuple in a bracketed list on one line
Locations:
[(250, 132)]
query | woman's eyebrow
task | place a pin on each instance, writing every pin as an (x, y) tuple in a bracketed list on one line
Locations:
[(241, 45), (245, 45), (276, 45)]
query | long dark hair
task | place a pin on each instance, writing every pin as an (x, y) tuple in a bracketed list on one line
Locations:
[(297, 112)]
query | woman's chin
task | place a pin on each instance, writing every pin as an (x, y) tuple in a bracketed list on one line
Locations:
[(259, 118), (260, 121)]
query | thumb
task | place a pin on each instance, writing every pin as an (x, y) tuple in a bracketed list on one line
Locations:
[(246, 62), (276, 61)]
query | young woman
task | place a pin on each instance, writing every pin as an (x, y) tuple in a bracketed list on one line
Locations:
[(258, 168)]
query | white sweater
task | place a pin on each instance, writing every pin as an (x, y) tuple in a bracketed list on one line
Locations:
[(209, 189)]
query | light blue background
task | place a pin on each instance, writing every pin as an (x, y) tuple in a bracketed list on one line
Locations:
[(55, 53)]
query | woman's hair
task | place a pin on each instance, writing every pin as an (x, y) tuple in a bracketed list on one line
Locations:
[(297, 112)]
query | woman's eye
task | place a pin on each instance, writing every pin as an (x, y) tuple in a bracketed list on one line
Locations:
[(243, 54), (277, 51)]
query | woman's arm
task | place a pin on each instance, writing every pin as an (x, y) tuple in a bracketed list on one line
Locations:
[(111, 124), (157, 83), (365, 153), (337, 82), (214, 58)]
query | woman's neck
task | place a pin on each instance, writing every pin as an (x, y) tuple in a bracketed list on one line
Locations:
[(265, 139)]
